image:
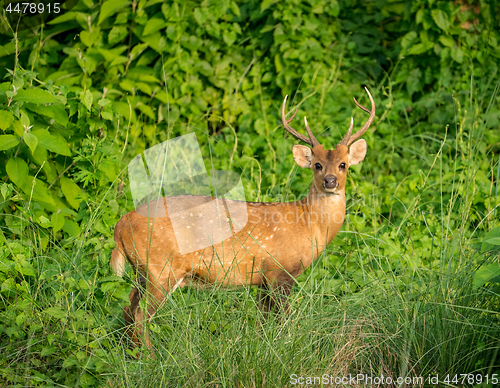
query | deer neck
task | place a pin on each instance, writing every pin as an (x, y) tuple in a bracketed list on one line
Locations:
[(327, 213)]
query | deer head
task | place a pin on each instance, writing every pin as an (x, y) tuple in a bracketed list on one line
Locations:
[(330, 166)]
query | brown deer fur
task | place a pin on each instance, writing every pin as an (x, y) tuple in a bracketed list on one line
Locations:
[(279, 241)]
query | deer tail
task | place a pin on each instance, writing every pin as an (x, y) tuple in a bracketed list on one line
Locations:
[(117, 262)]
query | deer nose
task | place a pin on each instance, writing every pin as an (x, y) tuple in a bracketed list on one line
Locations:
[(330, 181)]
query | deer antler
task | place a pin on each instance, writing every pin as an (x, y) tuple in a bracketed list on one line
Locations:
[(311, 140), (348, 139)]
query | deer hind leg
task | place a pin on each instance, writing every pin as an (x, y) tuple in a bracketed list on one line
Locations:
[(157, 290), (130, 312)]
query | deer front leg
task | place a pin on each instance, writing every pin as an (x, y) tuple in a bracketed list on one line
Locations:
[(273, 295)]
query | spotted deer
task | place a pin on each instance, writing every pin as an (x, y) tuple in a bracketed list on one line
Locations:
[(278, 242)]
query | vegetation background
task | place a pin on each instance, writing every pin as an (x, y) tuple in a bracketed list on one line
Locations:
[(410, 287)]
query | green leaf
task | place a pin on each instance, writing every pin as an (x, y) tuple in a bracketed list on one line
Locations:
[(25, 268), (8, 141), (200, 16), (153, 25), (40, 155), (64, 18), (447, 41), (6, 119), (164, 97), (107, 116), (87, 100), (493, 241), (125, 110), (72, 192), (147, 111), (57, 220), (44, 221), (71, 228), (492, 234), (278, 63), (103, 102), (6, 191), (38, 190), (8, 286), (419, 17), (441, 19), (108, 167), (457, 54), (420, 48), (266, 4), (31, 141), (144, 87), (56, 312), (35, 96), (486, 274), (116, 34), (17, 169), (108, 286), (109, 8), (154, 40), (122, 294), (70, 361), (229, 37), (89, 38), (53, 143), (57, 112), (20, 319), (48, 350), (235, 8), (25, 120), (414, 83), (408, 39)]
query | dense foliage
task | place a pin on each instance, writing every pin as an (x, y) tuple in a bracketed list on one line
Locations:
[(85, 93)]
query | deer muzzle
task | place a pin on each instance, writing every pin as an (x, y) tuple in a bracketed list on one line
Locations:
[(330, 182)]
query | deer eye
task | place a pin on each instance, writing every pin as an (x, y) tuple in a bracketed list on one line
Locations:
[(318, 166), (342, 166)]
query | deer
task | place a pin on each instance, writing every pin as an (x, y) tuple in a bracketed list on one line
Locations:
[(278, 242)]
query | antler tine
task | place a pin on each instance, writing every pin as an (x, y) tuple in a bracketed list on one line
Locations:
[(290, 129), (369, 122), (314, 142), (361, 106), (345, 140)]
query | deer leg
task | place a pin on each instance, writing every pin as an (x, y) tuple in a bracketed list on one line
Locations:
[(129, 312), (275, 292), (155, 295), (282, 292), (264, 299)]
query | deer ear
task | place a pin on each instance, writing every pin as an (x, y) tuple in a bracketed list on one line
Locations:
[(357, 152), (302, 155)]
